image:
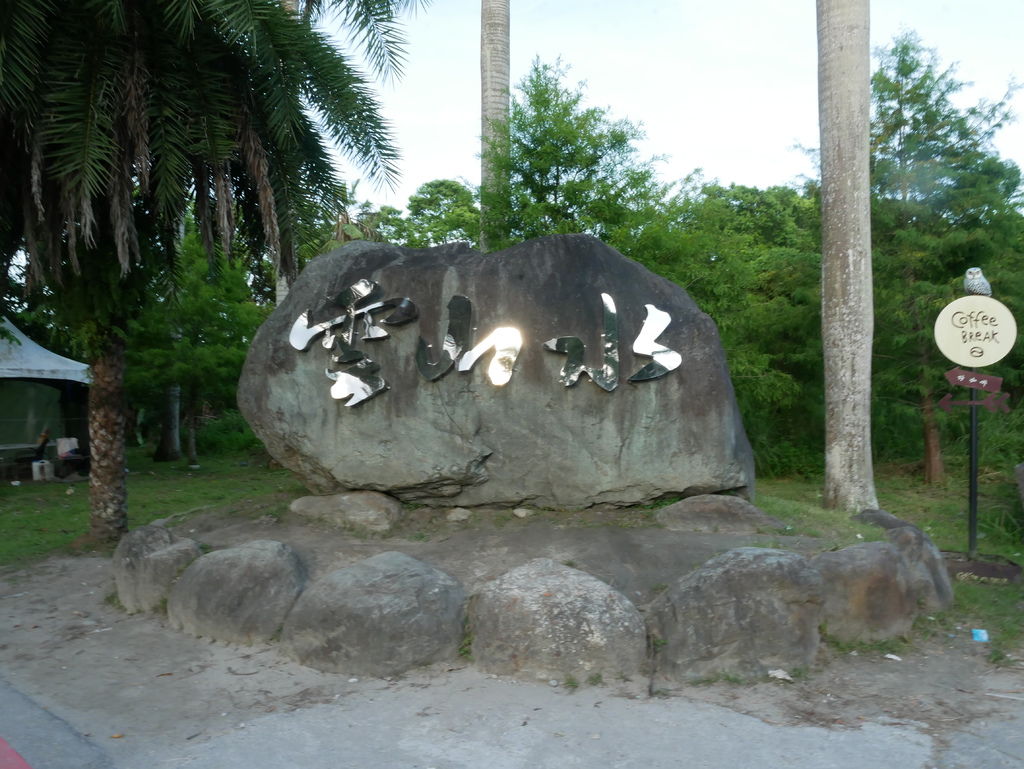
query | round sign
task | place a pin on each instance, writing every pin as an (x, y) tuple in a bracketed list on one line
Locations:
[(975, 331)]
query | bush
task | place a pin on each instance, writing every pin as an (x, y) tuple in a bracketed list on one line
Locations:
[(225, 434)]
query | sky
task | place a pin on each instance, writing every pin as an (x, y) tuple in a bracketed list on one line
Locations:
[(729, 88)]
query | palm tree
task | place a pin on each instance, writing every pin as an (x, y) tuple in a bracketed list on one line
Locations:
[(847, 316), (494, 93), (118, 116)]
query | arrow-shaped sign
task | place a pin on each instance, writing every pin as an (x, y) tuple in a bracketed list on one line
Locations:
[(994, 402), (962, 378)]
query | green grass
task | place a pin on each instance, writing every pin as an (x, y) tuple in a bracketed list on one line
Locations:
[(37, 519)]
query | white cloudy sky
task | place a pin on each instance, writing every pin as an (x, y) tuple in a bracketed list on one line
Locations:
[(727, 87)]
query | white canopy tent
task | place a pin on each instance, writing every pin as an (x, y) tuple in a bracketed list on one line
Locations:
[(39, 391), (29, 360)]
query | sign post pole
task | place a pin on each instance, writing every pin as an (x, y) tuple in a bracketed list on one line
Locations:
[(975, 331), (972, 486)]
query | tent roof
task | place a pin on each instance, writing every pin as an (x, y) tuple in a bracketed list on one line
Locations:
[(29, 360)]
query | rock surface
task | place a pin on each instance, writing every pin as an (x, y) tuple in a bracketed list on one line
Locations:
[(716, 513), (241, 594), (455, 438), (367, 510), (145, 564), (379, 617), (869, 594), (552, 621), (744, 612), (929, 577)]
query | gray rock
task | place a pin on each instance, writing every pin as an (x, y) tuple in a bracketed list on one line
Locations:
[(881, 518), (744, 612), (868, 592), (458, 515), (716, 513), (145, 564), (379, 617), (929, 578), (241, 594), (461, 440), (368, 510), (551, 621)]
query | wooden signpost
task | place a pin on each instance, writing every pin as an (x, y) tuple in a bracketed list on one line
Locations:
[(975, 331)]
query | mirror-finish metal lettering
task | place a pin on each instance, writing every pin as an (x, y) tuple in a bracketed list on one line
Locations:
[(356, 376), (455, 340), (607, 376), (646, 343), (507, 342), (358, 383)]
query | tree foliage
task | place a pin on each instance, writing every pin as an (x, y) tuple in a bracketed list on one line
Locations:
[(568, 168), (117, 118), (194, 333), (943, 201), (440, 211)]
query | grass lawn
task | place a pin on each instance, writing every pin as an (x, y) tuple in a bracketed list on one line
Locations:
[(37, 519)]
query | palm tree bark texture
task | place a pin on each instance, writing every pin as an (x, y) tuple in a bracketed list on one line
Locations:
[(107, 489), (844, 98), (494, 97)]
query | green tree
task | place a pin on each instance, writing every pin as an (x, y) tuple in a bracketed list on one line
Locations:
[(195, 337), (943, 201), (569, 168), (116, 117), (440, 211)]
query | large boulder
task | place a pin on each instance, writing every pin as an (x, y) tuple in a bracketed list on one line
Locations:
[(378, 617), (609, 385), (743, 612), (869, 592), (550, 620), (146, 562), (241, 594)]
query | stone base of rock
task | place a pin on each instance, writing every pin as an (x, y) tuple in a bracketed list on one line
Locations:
[(379, 617), (716, 513), (359, 510), (547, 620), (146, 563), (744, 612), (241, 594)]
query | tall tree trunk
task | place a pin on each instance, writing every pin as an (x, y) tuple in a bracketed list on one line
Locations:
[(934, 469), (494, 96), (169, 448), (191, 427), (844, 97), (107, 489)]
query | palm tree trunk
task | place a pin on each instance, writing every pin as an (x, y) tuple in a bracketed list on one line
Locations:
[(107, 488), (847, 322), (494, 95)]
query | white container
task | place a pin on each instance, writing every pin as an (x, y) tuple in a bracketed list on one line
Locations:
[(42, 470)]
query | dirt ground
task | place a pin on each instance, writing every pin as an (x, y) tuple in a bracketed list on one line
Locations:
[(64, 643)]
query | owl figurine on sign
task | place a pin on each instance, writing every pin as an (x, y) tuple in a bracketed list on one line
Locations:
[(975, 283)]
